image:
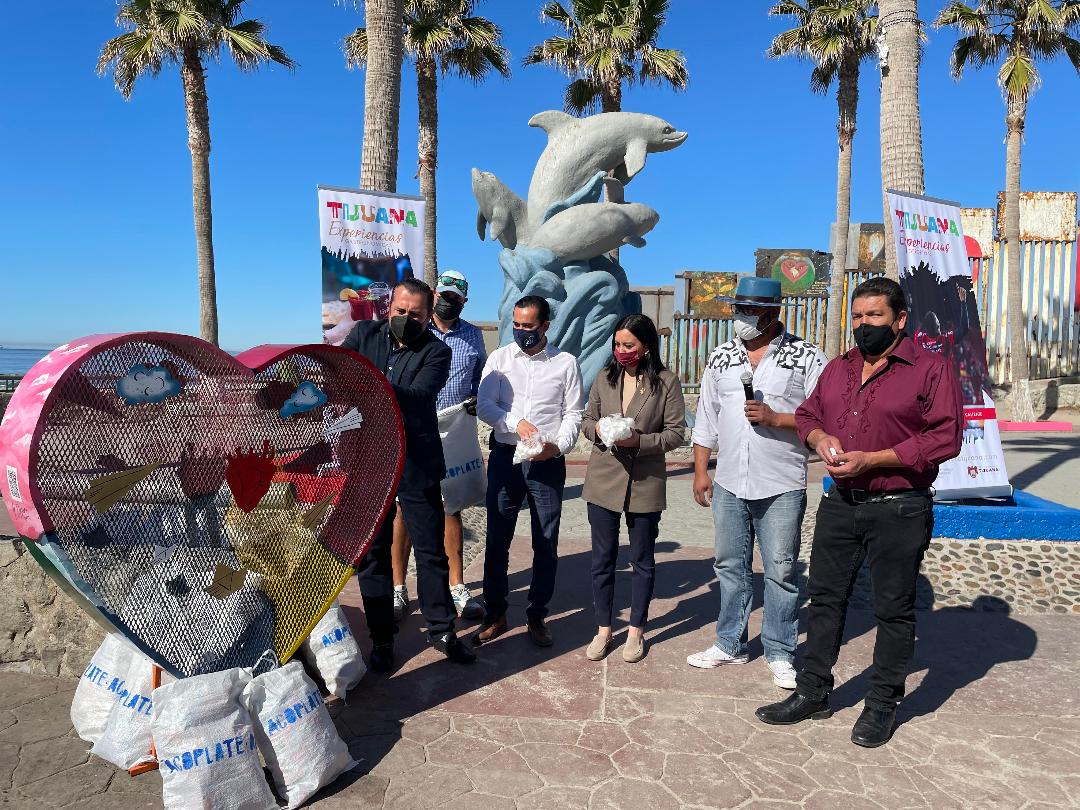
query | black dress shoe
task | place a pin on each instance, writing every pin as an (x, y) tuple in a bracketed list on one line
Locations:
[(539, 633), (382, 657), (453, 649), (794, 709), (874, 727)]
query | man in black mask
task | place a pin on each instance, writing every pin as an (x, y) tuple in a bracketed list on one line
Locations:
[(417, 366)]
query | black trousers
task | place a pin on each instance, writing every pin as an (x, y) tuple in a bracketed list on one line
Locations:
[(541, 484), (894, 536), (422, 511), (644, 527)]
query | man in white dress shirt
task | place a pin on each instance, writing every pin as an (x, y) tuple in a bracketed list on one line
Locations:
[(529, 390), (760, 483)]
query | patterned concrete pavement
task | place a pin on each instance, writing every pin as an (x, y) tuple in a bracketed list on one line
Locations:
[(992, 718)]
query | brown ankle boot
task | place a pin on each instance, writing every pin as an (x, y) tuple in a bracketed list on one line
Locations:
[(490, 630)]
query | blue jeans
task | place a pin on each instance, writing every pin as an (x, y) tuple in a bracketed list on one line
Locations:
[(509, 487), (776, 522)]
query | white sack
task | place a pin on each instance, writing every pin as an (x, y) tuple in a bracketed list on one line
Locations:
[(206, 745), (465, 483), (125, 739), (333, 651), (296, 735), (93, 701)]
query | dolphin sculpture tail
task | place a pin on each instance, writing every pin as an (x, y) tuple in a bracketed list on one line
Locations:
[(501, 209)]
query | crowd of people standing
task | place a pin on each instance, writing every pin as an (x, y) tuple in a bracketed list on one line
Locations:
[(881, 417)]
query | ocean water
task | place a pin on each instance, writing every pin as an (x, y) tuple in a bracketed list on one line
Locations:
[(19, 361)]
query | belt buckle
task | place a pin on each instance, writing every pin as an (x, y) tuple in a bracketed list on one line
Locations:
[(860, 499)]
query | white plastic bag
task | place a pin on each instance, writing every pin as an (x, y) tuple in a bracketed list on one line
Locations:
[(296, 736), (206, 745), (333, 651), (125, 739), (614, 428), (530, 448), (465, 483), (93, 701)]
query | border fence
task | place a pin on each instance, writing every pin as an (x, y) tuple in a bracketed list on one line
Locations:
[(1051, 305)]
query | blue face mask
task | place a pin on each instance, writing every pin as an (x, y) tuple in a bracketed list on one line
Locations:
[(527, 338)]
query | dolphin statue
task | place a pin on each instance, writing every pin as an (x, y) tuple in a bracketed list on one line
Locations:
[(588, 230), (578, 148), (500, 208)]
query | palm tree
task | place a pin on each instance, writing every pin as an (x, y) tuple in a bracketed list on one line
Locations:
[(901, 126), (837, 35), (439, 34), (382, 95), (186, 33), (1015, 33), (607, 43)]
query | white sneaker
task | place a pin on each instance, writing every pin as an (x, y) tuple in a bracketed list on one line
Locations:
[(401, 602), (714, 657), (783, 673), (467, 607)]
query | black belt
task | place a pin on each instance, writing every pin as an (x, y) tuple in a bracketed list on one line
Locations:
[(861, 496)]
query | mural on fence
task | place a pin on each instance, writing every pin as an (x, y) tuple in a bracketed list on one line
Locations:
[(800, 271), (706, 291)]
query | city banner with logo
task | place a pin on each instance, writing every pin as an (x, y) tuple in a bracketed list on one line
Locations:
[(943, 317), (370, 241)]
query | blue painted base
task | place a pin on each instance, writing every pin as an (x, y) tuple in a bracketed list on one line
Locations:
[(1022, 517)]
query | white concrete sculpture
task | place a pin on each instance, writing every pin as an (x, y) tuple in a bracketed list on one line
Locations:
[(554, 244)]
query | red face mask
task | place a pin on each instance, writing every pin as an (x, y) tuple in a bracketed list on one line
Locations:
[(627, 358)]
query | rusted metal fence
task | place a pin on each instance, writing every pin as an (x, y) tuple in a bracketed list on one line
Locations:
[(1050, 299)]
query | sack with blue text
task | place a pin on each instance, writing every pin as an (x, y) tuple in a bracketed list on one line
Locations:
[(206, 744), (295, 733), (94, 699), (333, 651), (125, 738), (465, 483)]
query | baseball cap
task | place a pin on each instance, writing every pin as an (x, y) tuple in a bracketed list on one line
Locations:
[(452, 281)]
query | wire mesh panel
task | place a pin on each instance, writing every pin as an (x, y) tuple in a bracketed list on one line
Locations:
[(208, 509)]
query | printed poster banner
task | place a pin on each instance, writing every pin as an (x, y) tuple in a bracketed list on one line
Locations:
[(370, 241), (943, 317)]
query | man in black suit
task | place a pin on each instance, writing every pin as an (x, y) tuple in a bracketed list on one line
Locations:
[(417, 366)]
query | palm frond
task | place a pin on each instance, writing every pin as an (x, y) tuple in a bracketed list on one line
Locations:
[(582, 97), (355, 46), (664, 66), (1018, 76)]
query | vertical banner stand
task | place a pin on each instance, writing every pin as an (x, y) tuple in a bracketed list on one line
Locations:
[(152, 765)]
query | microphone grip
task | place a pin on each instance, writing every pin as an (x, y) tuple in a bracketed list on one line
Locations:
[(748, 389)]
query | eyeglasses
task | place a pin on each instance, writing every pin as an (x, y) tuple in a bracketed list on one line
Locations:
[(451, 281)]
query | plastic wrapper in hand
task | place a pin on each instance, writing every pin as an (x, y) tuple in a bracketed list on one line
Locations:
[(206, 745), (333, 650), (296, 736), (614, 428), (532, 447)]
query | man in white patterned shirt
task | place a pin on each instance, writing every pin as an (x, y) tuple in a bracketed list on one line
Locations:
[(530, 389), (759, 490)]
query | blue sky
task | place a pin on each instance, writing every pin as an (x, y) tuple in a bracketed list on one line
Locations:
[(96, 232)]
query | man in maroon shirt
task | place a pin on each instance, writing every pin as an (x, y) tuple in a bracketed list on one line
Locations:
[(882, 417)]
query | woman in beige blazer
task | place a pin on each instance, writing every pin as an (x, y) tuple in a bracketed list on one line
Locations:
[(629, 478)]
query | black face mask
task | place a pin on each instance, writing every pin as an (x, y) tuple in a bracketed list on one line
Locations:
[(873, 341), (406, 329), (448, 309)]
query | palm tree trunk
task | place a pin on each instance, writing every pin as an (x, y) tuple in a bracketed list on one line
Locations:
[(611, 96), (198, 126), (1019, 370), (427, 146), (382, 95), (901, 126), (847, 102)]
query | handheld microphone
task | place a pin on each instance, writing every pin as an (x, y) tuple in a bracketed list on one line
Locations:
[(747, 380)]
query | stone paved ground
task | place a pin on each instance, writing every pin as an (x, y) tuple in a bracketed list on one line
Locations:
[(992, 719)]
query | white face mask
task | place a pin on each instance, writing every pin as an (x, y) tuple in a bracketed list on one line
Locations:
[(746, 326)]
